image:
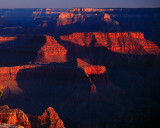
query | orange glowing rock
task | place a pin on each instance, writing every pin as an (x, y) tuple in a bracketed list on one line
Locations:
[(3, 39), (126, 42), (107, 18), (11, 72), (51, 51), (13, 116), (91, 70), (17, 117), (52, 47), (87, 10), (69, 18), (51, 117)]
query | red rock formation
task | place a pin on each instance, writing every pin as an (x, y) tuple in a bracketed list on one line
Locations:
[(107, 18), (126, 42), (51, 51), (3, 39), (13, 116), (66, 18), (87, 10), (49, 118), (4, 125), (95, 70), (96, 74), (8, 73), (8, 78)]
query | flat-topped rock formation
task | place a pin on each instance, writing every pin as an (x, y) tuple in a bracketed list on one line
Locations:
[(11, 72)]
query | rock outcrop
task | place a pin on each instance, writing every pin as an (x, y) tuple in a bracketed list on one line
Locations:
[(126, 42), (3, 39), (8, 77), (3, 125), (66, 18), (13, 116), (8, 73), (49, 118), (51, 51), (95, 70), (107, 18)]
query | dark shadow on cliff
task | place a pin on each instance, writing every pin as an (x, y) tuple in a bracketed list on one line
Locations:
[(23, 51)]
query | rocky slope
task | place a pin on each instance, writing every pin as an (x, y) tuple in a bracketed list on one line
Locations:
[(49, 118)]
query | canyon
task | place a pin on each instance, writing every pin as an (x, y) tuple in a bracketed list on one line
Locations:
[(96, 67)]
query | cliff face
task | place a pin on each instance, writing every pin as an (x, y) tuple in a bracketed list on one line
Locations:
[(14, 116), (7, 73), (8, 77), (66, 18), (51, 51), (126, 43), (49, 118), (95, 70)]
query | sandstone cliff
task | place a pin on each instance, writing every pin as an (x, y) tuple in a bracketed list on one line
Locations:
[(66, 18), (51, 51), (126, 42), (8, 77)]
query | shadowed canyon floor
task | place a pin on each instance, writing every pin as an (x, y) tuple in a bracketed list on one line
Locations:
[(95, 71)]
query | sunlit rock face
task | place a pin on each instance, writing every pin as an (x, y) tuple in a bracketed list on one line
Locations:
[(8, 77), (66, 18), (13, 116), (95, 70), (51, 51), (4, 39), (4, 125), (126, 43), (107, 18), (87, 10), (49, 118)]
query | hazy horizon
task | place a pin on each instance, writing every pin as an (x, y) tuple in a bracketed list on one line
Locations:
[(79, 3)]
